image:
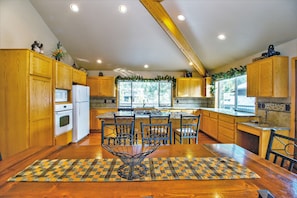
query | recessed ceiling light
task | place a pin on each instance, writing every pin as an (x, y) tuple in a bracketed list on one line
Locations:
[(99, 61), (181, 17), (190, 63), (221, 37), (123, 9), (146, 66), (74, 7)]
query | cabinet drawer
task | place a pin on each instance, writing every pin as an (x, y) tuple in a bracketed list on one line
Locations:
[(226, 132), (226, 125), (225, 139), (40, 65), (206, 113), (213, 115), (226, 118)]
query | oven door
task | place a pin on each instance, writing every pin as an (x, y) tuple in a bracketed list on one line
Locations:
[(63, 122)]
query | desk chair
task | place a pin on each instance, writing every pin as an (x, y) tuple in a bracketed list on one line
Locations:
[(152, 134), (188, 129), (283, 148), (117, 133)]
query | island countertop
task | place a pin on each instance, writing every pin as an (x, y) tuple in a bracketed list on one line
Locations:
[(110, 115)]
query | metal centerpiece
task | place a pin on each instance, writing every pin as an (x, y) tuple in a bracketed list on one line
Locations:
[(132, 157)]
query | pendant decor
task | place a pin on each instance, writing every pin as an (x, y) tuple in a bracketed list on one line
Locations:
[(233, 72), (58, 53)]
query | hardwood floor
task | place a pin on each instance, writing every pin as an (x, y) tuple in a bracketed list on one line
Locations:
[(95, 139)]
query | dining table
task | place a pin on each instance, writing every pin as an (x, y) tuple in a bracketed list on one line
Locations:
[(272, 178)]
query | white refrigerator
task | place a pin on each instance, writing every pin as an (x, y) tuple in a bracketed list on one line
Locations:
[(81, 112)]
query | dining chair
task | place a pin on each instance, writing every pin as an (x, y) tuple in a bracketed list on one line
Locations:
[(126, 117), (117, 133), (188, 128), (159, 118), (284, 150), (156, 133)]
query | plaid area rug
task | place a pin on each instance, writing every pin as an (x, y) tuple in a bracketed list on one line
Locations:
[(105, 170)]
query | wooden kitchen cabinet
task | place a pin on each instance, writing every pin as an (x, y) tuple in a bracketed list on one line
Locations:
[(209, 123), (79, 77), (103, 86), (227, 125), (26, 101), (268, 77), (63, 75), (95, 123), (190, 87)]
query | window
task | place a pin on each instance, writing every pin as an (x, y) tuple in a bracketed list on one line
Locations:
[(144, 93), (232, 95)]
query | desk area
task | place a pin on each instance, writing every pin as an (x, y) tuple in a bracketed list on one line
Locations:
[(279, 181)]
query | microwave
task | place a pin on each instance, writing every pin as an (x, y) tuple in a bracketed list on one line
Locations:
[(61, 95)]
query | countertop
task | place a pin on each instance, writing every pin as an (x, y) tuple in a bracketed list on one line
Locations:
[(109, 115), (217, 110), (264, 126), (229, 112)]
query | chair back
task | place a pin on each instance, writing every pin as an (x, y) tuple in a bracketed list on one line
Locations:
[(117, 133), (159, 118), (156, 133), (188, 128), (283, 148)]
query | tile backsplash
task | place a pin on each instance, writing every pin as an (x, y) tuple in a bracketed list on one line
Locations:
[(276, 112)]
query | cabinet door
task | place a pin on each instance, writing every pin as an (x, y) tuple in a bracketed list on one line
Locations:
[(182, 87), (107, 86), (40, 65), (63, 76), (196, 87), (265, 78), (93, 83), (79, 77), (252, 79), (41, 111)]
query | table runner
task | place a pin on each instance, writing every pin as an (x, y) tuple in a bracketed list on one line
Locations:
[(105, 170)]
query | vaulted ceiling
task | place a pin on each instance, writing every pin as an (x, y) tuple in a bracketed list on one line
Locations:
[(136, 38)]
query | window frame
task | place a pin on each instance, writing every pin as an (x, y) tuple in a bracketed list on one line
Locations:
[(236, 95), (145, 81)]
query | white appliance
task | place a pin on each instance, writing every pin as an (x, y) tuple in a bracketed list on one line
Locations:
[(81, 112), (63, 118)]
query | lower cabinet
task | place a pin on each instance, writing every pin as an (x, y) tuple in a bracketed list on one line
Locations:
[(220, 126), (95, 123), (209, 124)]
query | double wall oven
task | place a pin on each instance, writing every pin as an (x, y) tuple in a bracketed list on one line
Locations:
[(63, 112)]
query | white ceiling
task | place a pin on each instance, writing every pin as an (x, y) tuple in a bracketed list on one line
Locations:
[(133, 39)]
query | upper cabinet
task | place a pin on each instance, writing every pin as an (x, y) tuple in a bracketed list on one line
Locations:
[(63, 75), (190, 87), (103, 86), (268, 77), (79, 77)]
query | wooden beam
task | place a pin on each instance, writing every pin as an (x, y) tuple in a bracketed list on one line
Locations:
[(161, 16)]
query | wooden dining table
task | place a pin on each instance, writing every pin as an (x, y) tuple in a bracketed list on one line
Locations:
[(278, 181)]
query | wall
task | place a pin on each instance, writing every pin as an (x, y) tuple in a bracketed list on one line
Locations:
[(21, 25)]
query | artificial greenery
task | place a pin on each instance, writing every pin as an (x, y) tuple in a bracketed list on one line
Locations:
[(233, 72), (140, 78)]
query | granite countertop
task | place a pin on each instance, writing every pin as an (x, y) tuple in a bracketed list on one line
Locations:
[(229, 112), (109, 115), (264, 126)]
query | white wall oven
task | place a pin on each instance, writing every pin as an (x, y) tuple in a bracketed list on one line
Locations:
[(63, 118)]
